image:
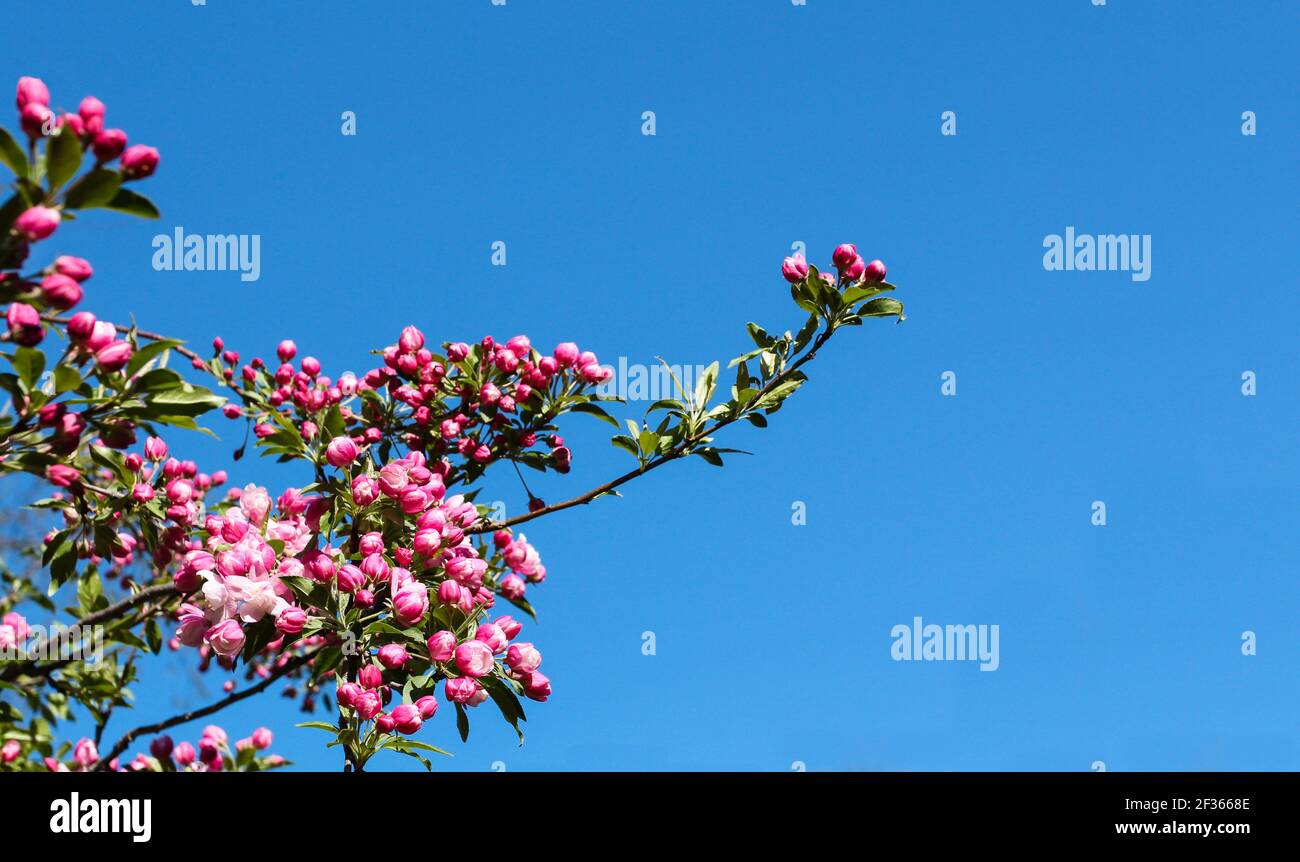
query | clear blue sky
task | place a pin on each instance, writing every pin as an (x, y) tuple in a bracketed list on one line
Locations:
[(776, 124)]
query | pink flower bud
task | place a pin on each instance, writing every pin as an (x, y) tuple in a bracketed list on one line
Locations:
[(427, 705), (341, 452), (410, 604), (346, 693), (474, 658), (365, 490), (509, 626), (61, 291), (32, 91), (410, 340), (794, 269), (442, 645), (161, 747), (85, 753), (393, 656), (91, 109), (36, 120), (115, 356), (407, 718), (81, 325), (101, 336), (184, 754), (350, 578), (854, 270), (262, 738), (844, 255), (874, 272), (73, 267), (139, 162), (291, 620), (286, 350), (367, 704), (461, 690), (370, 676), (226, 639), (155, 449), (566, 354), (63, 475), (449, 592), (523, 658), (109, 144), (491, 635), (537, 686), (37, 223), (11, 749), (385, 722)]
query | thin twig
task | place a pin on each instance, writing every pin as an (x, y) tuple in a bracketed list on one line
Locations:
[(133, 734), (113, 611), (673, 454), (152, 336)]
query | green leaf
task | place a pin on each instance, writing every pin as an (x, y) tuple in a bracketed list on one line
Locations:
[(507, 701), (318, 725), (706, 384), (134, 204), (883, 306), (29, 363), (12, 155), (626, 443), (95, 189), (149, 352), (649, 442), (670, 404), (422, 746), (66, 379), (187, 401), (462, 722), (806, 333), (63, 156), (593, 410), (89, 591), (157, 380), (709, 455)]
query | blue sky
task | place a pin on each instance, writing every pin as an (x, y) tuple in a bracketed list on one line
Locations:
[(775, 124)]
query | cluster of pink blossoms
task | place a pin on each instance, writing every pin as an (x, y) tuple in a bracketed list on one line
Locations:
[(479, 428), (237, 572), (156, 475), (60, 285), (852, 268)]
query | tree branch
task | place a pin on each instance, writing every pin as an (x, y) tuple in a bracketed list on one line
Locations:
[(113, 611), (152, 336), (133, 734), (678, 451)]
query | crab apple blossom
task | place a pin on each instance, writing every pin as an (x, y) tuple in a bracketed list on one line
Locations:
[(32, 91), (474, 658), (37, 223), (139, 162), (794, 268)]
